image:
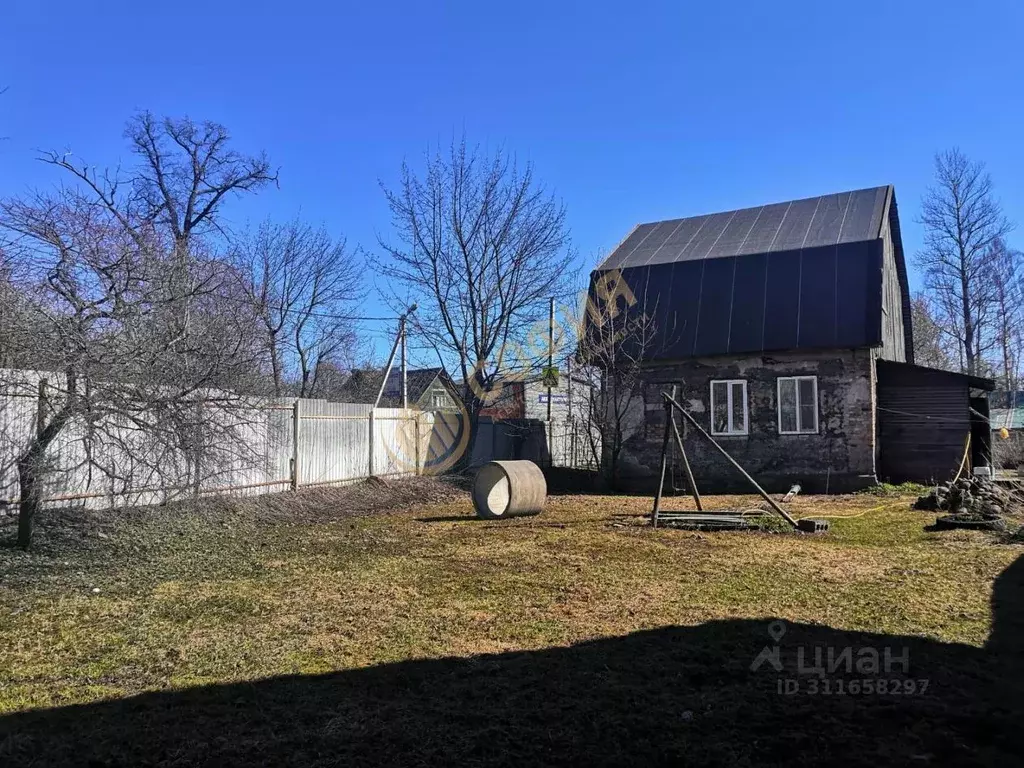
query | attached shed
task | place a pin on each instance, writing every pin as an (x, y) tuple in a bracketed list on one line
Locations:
[(924, 418)]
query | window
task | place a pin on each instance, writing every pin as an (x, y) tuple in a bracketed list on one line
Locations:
[(798, 405), (729, 407), (438, 399)]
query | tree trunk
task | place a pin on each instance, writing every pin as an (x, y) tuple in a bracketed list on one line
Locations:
[(29, 499), (472, 416), (969, 351), (275, 364)]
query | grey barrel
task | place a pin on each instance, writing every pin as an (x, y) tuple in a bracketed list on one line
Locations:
[(509, 489)]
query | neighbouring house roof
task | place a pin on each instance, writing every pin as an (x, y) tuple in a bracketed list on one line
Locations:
[(363, 385), (1011, 418), (1011, 414), (1004, 399), (800, 274), (418, 381)]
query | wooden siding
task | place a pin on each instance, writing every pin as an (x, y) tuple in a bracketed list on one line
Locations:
[(893, 332), (923, 423)]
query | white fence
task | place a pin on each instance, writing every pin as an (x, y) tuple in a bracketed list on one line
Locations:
[(287, 444), (276, 445)]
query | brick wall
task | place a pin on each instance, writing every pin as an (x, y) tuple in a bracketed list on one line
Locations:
[(840, 456)]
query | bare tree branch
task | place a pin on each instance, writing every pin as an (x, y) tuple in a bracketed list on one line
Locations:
[(482, 246), (962, 221), (304, 287), (120, 306)]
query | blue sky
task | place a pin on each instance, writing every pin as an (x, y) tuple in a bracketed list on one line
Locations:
[(630, 111)]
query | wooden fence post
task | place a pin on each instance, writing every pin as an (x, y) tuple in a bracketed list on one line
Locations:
[(296, 418), (419, 470), (370, 441)]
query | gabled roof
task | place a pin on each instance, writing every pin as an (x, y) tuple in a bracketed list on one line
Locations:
[(363, 385), (806, 274), (845, 217), (418, 380)]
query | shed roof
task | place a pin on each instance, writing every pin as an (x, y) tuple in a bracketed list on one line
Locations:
[(963, 379)]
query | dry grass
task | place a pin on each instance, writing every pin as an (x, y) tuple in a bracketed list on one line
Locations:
[(248, 590)]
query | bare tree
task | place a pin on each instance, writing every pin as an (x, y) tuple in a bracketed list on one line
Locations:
[(8, 303), (304, 287), (962, 220), (1008, 289), (481, 246), (123, 313), (932, 343), (617, 338)]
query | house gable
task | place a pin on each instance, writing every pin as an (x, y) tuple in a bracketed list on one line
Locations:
[(808, 274)]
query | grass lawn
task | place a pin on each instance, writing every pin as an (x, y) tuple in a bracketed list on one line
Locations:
[(297, 630)]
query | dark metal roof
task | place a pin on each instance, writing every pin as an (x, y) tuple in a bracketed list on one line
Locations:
[(922, 373), (803, 274), (846, 217)]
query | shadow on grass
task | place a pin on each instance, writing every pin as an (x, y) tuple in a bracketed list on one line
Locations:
[(449, 519), (666, 696)]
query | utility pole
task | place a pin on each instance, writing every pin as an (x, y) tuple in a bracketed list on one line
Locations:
[(399, 340), (405, 376), (551, 365), (551, 350)]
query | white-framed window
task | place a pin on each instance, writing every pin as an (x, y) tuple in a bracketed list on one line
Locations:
[(798, 405), (438, 399), (729, 407)]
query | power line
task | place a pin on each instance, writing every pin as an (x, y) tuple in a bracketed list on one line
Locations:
[(926, 417), (321, 315)]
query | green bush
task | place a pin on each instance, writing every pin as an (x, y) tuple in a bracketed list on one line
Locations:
[(887, 490)]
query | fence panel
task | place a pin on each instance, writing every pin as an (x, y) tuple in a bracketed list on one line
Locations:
[(337, 443), (115, 466), (333, 442)]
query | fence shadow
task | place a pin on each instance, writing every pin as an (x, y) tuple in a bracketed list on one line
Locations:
[(665, 696)]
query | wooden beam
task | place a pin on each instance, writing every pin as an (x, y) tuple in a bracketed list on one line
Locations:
[(686, 463), (664, 460), (670, 399)]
